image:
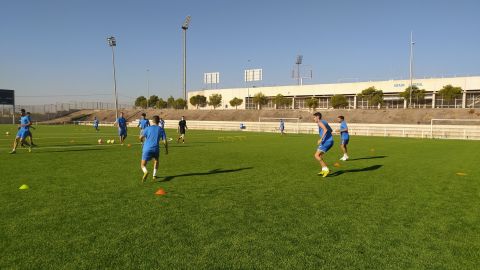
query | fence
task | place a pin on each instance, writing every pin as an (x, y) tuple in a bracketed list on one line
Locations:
[(465, 132)]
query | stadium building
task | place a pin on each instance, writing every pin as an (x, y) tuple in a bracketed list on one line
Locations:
[(470, 97)]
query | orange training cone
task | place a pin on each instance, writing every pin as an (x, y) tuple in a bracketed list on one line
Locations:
[(160, 192)]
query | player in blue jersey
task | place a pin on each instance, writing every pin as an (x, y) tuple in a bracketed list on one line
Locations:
[(324, 143), (143, 123), (282, 127), (23, 131), (29, 133), (151, 138), (95, 123), (162, 123), (122, 128), (345, 137)]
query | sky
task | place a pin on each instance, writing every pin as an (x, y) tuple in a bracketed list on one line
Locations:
[(56, 50)]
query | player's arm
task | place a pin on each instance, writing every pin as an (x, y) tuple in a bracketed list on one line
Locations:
[(165, 142), (324, 128)]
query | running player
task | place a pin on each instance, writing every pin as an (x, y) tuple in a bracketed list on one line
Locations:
[(143, 123), (182, 127), (151, 149), (324, 143), (95, 123), (344, 136), (282, 127), (22, 133), (122, 128), (29, 133)]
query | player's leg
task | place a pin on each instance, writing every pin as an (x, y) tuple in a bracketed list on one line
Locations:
[(143, 166), (30, 136), (183, 138), (319, 156), (155, 167), (344, 149), (15, 144)]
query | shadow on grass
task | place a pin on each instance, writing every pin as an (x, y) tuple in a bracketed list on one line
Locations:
[(214, 171), (372, 157), (366, 169), (41, 151)]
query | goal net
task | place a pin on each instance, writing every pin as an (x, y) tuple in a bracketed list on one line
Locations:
[(272, 124), (468, 129)]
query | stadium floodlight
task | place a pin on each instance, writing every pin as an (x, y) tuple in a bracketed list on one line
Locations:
[(185, 25), (112, 42), (299, 60)]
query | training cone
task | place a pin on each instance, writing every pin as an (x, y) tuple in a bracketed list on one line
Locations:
[(461, 174), (160, 192), (129, 145), (336, 164), (23, 187)]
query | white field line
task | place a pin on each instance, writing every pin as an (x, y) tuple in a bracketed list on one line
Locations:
[(36, 149)]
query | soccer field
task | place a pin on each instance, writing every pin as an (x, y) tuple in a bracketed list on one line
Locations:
[(242, 204)]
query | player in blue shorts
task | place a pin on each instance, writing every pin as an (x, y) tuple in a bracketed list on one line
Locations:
[(324, 143), (143, 123), (29, 133), (23, 131), (122, 128), (95, 123), (344, 136), (282, 127), (151, 138)]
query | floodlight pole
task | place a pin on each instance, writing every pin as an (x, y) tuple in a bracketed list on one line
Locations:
[(112, 43), (411, 68), (184, 29)]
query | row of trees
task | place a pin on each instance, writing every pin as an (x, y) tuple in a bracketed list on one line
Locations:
[(373, 96), (159, 103)]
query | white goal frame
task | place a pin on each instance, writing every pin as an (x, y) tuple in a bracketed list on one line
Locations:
[(277, 119), (433, 120)]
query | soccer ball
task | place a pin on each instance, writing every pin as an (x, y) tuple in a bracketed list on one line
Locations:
[(7, 133), (108, 141), (100, 141), (170, 139), (112, 141)]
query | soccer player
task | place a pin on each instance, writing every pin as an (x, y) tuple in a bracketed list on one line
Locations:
[(344, 136), (182, 127), (95, 123), (151, 149), (122, 128), (22, 133), (143, 123), (282, 127), (162, 123), (29, 132), (324, 143)]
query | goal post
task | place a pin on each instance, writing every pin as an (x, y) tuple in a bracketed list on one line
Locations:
[(455, 128), (288, 122)]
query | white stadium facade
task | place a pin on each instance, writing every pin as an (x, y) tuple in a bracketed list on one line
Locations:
[(324, 92)]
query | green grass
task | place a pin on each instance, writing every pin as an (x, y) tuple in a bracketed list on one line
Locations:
[(256, 203)]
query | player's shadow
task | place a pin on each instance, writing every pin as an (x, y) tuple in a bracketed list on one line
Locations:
[(214, 171), (68, 150), (366, 169), (372, 157)]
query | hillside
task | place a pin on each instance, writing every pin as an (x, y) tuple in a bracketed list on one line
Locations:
[(401, 116)]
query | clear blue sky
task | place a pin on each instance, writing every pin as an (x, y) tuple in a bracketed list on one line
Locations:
[(51, 48)]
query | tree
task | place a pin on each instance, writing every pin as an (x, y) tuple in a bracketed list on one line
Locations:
[(417, 94), (152, 101), (373, 96), (161, 104), (279, 100), (141, 101), (312, 103), (171, 102), (449, 92), (339, 101), (235, 102), (260, 99), (180, 103), (198, 101), (215, 100)]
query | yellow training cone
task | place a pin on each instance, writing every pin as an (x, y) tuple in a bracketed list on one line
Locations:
[(461, 174), (23, 187)]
